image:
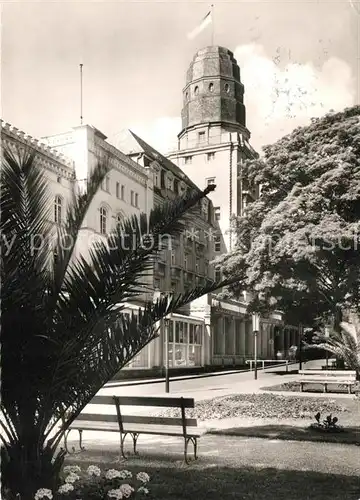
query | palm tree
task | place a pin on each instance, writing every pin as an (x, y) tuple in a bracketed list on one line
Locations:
[(64, 334), (344, 342)]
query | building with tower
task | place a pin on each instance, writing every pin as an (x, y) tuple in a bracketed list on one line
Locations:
[(214, 140)]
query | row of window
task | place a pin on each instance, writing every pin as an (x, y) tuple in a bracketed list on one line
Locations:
[(187, 160), (120, 192), (210, 89)]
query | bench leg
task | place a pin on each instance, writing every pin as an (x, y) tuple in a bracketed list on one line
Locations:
[(135, 436), (325, 387), (122, 439), (193, 440), (301, 386), (349, 388), (81, 447)]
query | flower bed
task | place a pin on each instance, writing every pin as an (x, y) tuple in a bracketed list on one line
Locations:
[(95, 484), (259, 406)]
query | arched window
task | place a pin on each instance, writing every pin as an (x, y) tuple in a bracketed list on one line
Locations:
[(119, 218), (227, 87), (103, 220), (196, 90), (58, 209), (211, 87)]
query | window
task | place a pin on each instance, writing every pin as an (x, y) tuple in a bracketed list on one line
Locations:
[(201, 136), (176, 186), (156, 179), (169, 183), (197, 265), (210, 181), (117, 190), (136, 200), (103, 220), (217, 213), (122, 193), (188, 160), (227, 87), (185, 262), (57, 209), (211, 87), (217, 274), (172, 258), (187, 96), (132, 198), (162, 178), (217, 242), (196, 90), (210, 156), (58, 180), (119, 218), (157, 284)]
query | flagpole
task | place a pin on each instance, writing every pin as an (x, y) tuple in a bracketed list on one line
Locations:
[(212, 24), (81, 94)]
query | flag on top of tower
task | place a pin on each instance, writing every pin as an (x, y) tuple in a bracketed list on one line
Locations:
[(205, 22)]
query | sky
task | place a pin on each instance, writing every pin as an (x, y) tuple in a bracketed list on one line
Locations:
[(298, 59)]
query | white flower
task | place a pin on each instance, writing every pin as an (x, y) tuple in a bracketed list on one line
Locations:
[(43, 493), (71, 478), (112, 474), (115, 494), (68, 469), (143, 477), (93, 470), (65, 488), (126, 490), (144, 490), (124, 474)]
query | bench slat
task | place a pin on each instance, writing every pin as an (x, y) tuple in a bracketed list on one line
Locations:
[(144, 401), (136, 419), (326, 381), (148, 429)]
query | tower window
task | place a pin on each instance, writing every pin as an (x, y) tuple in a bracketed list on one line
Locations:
[(217, 274), (210, 181), (217, 213), (188, 160), (217, 242), (122, 192), (136, 200), (201, 136), (132, 198), (117, 190), (196, 90), (211, 87), (210, 156), (187, 96), (227, 87)]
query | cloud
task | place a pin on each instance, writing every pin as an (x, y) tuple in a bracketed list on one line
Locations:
[(280, 97)]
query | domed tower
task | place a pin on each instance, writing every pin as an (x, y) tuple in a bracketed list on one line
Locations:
[(213, 93), (214, 139)]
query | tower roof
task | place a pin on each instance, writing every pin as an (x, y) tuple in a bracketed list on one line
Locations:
[(213, 92)]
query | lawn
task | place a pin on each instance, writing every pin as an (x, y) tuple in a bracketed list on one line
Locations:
[(206, 480)]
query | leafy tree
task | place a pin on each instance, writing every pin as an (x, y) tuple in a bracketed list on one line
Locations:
[(298, 243), (64, 334)]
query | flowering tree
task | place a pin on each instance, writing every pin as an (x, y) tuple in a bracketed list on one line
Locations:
[(298, 243), (64, 334)]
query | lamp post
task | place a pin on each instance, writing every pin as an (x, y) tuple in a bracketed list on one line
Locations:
[(167, 381), (255, 327)]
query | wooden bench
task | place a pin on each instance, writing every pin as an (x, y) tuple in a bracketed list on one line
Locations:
[(326, 377), (134, 425)]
